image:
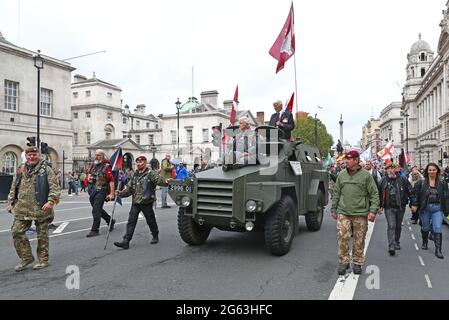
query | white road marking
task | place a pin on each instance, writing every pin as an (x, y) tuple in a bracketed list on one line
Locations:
[(416, 247), (344, 288), (429, 284), (61, 227), (413, 237), (421, 260), (81, 230), (410, 228)]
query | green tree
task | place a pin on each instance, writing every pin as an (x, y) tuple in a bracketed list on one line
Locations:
[(305, 130)]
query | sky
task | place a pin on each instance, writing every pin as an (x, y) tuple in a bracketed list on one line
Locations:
[(351, 55)]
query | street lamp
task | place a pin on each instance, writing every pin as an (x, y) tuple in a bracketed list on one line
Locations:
[(178, 107), (406, 115), (153, 149), (63, 169), (39, 64)]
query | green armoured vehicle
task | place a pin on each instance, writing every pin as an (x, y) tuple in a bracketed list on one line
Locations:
[(285, 181)]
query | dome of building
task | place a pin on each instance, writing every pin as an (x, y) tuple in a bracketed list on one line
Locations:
[(420, 46), (189, 105)]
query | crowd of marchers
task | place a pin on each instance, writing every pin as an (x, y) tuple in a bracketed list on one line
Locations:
[(361, 191)]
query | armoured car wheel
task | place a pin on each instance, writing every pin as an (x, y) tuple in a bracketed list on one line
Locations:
[(190, 231), (279, 227), (314, 219)]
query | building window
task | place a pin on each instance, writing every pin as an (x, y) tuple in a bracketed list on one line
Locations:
[(413, 72), (423, 72), (148, 125), (88, 93), (150, 139), (75, 115), (137, 123), (205, 135), (137, 139), (422, 57), (87, 114), (75, 95), (46, 102), (108, 136), (11, 95), (173, 136), (87, 137), (109, 116), (9, 163), (125, 136), (75, 138), (189, 135), (157, 126), (109, 94), (124, 120)]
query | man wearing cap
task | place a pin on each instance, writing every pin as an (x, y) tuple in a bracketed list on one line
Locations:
[(142, 188), (355, 201), (395, 193), (282, 120), (101, 189), (34, 192), (166, 172)]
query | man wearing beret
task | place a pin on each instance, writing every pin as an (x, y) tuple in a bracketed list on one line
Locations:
[(355, 201), (142, 188), (34, 192)]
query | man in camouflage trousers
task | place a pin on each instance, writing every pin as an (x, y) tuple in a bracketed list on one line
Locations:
[(142, 188), (355, 201), (34, 192)]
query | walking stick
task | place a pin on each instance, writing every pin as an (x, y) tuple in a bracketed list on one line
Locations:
[(112, 215)]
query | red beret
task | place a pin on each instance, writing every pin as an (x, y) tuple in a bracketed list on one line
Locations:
[(353, 154), (141, 158)]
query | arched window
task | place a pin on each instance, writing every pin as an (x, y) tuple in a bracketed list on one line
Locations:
[(9, 163), (423, 72)]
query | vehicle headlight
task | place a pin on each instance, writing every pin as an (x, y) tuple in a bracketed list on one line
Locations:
[(185, 201), (251, 206)]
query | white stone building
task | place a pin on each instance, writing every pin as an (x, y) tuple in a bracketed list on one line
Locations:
[(425, 99), (392, 126), (18, 106)]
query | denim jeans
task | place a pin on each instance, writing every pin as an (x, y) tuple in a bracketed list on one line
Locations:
[(431, 212), (394, 222)]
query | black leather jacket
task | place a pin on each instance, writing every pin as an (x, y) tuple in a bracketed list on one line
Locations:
[(405, 190), (421, 191)]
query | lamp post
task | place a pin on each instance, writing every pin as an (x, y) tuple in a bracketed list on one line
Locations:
[(39, 64), (178, 107), (63, 169), (153, 149), (406, 115)]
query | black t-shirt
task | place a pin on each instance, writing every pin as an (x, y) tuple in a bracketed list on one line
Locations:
[(433, 195)]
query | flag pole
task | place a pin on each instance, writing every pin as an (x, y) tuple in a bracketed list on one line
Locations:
[(296, 86), (112, 215)]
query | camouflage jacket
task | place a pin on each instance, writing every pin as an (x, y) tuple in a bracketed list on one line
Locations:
[(33, 192), (142, 186), (166, 168), (100, 175)]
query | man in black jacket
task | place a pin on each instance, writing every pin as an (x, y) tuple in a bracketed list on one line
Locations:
[(282, 120), (394, 193)]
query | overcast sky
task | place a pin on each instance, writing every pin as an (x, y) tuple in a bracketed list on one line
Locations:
[(351, 54)]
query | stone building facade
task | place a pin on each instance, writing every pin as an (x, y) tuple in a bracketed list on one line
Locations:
[(392, 126)]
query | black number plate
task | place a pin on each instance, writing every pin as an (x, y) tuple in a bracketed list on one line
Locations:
[(180, 188)]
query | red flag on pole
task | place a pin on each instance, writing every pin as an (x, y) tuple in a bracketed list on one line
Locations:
[(284, 46), (289, 105), (234, 104)]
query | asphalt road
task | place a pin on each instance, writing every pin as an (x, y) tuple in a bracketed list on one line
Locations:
[(229, 266)]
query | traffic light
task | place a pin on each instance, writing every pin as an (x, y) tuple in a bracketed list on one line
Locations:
[(216, 135), (31, 141), (44, 148)]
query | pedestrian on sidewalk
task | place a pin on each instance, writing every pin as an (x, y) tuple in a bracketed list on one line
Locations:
[(355, 201), (430, 200), (101, 189), (166, 172), (142, 187), (34, 192), (395, 193)]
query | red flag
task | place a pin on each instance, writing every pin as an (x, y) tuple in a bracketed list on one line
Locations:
[(284, 46), (289, 106), (233, 111)]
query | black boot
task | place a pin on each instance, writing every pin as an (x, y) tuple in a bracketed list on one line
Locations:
[(425, 238), (124, 244), (438, 240), (342, 269), (431, 236), (154, 240)]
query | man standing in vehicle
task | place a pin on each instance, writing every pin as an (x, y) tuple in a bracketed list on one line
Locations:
[(282, 120), (355, 201)]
